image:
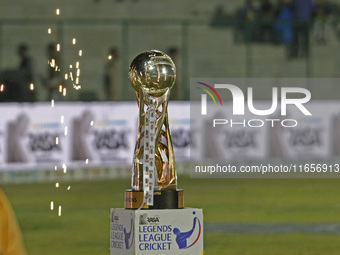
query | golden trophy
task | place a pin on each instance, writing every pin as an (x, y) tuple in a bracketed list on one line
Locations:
[(154, 181)]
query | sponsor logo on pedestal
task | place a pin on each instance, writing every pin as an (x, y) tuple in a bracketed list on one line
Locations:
[(122, 235), (186, 239)]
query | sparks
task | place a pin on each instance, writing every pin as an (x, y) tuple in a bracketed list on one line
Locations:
[(77, 87), (62, 119), (109, 57), (92, 122), (78, 72), (2, 87), (60, 88), (77, 80), (52, 205), (52, 103), (66, 76), (55, 168), (80, 53), (57, 185), (59, 211), (49, 31), (87, 161), (74, 41), (69, 187), (65, 168), (31, 86), (58, 47), (65, 131), (64, 91), (57, 140), (77, 64)]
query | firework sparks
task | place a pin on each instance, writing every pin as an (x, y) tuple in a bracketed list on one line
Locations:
[(64, 168), (52, 63), (76, 87), (70, 75)]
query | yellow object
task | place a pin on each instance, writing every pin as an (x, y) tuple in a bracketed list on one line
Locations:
[(152, 74), (154, 71), (10, 236)]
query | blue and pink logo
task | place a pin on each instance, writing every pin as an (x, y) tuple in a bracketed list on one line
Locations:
[(182, 237), (128, 235)]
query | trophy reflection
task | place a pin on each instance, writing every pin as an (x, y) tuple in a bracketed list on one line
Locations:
[(154, 181)]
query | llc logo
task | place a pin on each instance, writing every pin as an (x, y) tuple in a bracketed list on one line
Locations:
[(204, 97), (182, 237)]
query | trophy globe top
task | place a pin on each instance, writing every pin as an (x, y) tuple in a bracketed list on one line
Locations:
[(154, 71)]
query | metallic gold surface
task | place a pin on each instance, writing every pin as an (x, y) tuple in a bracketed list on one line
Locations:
[(154, 71), (152, 74), (134, 199)]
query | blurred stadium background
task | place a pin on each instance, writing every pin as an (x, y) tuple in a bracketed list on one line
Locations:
[(207, 36), (210, 43)]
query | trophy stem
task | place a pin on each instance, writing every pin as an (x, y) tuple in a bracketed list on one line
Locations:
[(152, 75), (159, 142)]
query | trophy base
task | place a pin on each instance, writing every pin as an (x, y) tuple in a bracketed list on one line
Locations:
[(163, 199), (154, 232)]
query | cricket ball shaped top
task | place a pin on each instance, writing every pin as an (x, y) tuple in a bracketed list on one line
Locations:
[(154, 71)]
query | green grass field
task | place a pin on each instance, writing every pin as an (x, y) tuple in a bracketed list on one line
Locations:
[(83, 227)]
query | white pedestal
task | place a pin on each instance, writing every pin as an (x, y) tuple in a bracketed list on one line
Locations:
[(148, 232)]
